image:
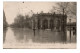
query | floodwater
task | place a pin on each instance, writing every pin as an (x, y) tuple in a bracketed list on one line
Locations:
[(25, 35)]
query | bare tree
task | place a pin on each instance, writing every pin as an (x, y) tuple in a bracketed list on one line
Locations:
[(65, 8), (61, 7), (72, 8)]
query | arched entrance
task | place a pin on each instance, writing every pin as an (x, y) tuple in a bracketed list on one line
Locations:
[(45, 24), (51, 24), (58, 24)]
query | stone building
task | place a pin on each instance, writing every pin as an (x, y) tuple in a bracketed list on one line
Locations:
[(49, 21)]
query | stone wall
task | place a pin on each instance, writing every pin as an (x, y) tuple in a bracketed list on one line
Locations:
[(49, 21)]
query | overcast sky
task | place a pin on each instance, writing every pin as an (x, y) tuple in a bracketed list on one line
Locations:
[(12, 9)]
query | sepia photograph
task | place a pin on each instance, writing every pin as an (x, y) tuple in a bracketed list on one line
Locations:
[(39, 25)]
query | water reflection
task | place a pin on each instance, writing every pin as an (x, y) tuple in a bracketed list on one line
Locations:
[(22, 35), (25, 35), (4, 34), (73, 36), (48, 36)]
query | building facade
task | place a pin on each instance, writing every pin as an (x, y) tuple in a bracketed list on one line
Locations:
[(56, 22)]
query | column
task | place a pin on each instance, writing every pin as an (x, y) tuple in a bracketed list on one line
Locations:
[(41, 24), (32, 24), (60, 24), (48, 23)]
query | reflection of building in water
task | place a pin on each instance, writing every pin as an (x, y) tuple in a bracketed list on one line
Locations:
[(49, 21), (4, 34), (22, 34), (46, 36), (41, 36)]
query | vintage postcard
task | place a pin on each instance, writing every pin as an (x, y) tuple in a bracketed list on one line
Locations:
[(39, 25)]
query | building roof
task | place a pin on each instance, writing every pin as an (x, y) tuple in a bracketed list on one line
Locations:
[(49, 14)]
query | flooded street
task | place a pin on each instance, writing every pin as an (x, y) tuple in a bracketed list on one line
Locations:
[(24, 36)]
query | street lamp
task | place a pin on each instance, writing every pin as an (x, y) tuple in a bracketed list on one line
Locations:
[(70, 29)]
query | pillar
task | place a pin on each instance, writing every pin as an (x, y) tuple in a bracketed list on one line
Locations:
[(48, 23), (41, 24), (32, 24)]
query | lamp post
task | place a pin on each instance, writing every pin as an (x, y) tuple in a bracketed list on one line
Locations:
[(70, 29), (34, 26)]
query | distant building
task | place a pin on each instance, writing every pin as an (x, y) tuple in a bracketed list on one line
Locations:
[(72, 24), (49, 21)]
